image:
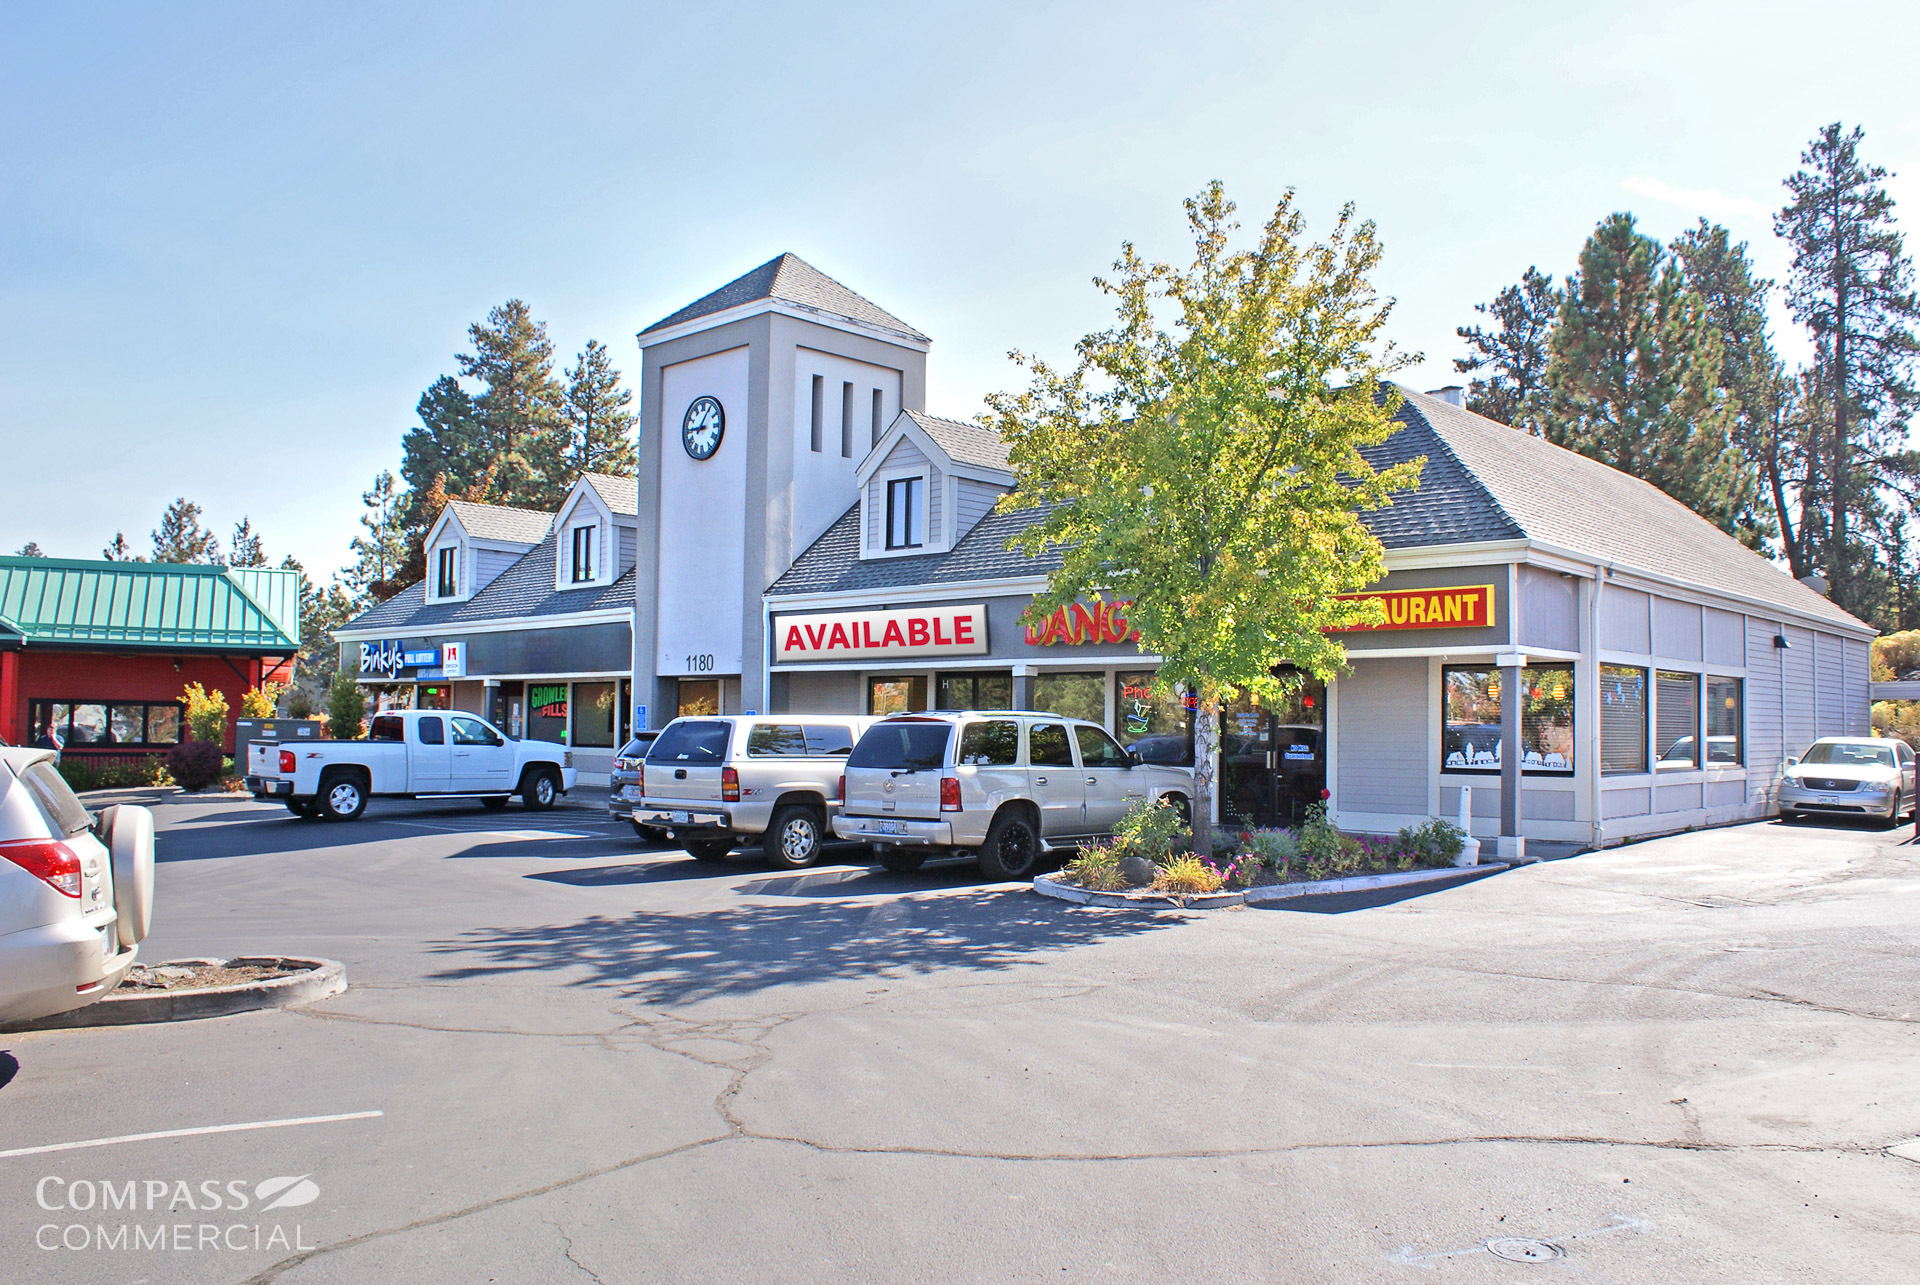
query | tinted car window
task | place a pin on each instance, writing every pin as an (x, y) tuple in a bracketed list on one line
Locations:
[(471, 731), (387, 727), (776, 740), (1047, 743), (902, 745), (431, 732), (696, 741), (1097, 749), (991, 744), (829, 740), (61, 807)]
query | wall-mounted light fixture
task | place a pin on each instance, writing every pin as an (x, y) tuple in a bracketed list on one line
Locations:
[(1780, 643)]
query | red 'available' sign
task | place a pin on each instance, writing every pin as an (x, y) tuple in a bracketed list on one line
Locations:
[(871, 635), (1455, 607)]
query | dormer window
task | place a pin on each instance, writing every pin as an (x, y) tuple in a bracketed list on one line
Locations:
[(582, 554), (906, 513), (447, 573)]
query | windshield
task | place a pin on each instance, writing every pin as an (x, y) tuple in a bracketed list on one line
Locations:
[(1844, 754), (698, 741), (902, 744)]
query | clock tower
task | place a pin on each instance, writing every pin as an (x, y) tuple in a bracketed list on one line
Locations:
[(757, 404)]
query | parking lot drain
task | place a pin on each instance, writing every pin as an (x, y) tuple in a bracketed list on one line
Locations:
[(1523, 1249)]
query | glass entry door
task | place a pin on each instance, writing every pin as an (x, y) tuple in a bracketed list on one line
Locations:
[(1273, 761)]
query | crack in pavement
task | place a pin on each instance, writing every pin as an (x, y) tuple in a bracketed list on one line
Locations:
[(567, 1249), (1756, 995)]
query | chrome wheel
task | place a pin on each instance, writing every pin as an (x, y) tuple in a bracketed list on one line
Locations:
[(797, 840), (793, 840), (343, 800), (543, 791)]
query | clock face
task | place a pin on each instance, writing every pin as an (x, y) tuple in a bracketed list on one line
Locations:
[(702, 429)]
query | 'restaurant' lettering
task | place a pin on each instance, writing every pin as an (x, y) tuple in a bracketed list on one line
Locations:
[(1456, 607)]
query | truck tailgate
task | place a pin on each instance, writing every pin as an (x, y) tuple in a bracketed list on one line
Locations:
[(685, 763), (263, 758)]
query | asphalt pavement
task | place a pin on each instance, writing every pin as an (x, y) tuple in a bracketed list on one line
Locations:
[(566, 1056)]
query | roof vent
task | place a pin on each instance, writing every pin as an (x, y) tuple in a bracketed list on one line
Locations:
[(1816, 583), (1452, 395)]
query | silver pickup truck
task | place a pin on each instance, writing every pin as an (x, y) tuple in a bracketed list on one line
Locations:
[(413, 753), (713, 783)]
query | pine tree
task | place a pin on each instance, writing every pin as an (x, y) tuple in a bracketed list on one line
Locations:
[(120, 550), (1515, 350), (380, 552), (1852, 286), (448, 442), (181, 538), (245, 550), (31, 549), (1633, 380), (522, 424), (597, 416)]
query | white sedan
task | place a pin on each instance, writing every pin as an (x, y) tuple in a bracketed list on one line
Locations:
[(1860, 776), (76, 890)]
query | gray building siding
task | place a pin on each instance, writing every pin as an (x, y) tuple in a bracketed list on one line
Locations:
[(1382, 710), (1549, 610), (972, 501)]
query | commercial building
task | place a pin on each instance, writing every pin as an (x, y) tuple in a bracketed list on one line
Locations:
[(98, 654)]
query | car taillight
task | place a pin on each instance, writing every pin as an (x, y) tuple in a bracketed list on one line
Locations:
[(640, 777), (729, 785), (48, 860), (840, 792), (949, 794), (286, 762)]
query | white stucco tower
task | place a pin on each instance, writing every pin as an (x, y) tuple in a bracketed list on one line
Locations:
[(757, 403)]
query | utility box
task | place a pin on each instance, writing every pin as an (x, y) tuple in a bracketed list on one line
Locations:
[(248, 730)]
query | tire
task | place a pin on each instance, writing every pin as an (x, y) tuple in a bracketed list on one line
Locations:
[(646, 833), (539, 790), (1012, 849), (494, 802), (1893, 817), (300, 807), (793, 841), (1184, 808), (1788, 818), (709, 850), (342, 798), (902, 861)]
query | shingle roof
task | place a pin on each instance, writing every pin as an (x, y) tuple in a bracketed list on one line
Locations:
[(965, 443), (1559, 497), (147, 605), (524, 589), (1482, 481), (498, 522), (620, 494), (791, 279)]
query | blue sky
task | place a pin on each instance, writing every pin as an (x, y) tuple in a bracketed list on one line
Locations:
[(237, 241)]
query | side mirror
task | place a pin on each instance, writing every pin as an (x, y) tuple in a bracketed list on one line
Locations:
[(1793, 761), (1133, 757)]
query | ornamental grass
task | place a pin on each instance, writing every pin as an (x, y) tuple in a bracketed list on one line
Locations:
[(1187, 874)]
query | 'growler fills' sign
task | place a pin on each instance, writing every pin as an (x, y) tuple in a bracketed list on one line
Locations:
[(1454, 607)]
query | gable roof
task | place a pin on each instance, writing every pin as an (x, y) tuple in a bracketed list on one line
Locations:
[(1482, 482), (523, 590), (498, 522), (149, 606), (621, 495), (964, 443), (792, 280)]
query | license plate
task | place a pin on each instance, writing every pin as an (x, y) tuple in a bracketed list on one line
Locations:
[(109, 942), (683, 818), (892, 827), (630, 792), (1828, 798)]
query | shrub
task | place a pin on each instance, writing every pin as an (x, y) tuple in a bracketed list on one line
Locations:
[(346, 708), (1434, 842), (260, 702), (1096, 868), (1187, 874), (206, 713), (194, 765), (1272, 848), (300, 704), (1155, 832)]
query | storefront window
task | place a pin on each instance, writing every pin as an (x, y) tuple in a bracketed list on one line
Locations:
[(1073, 695), (975, 691), (1724, 701), (547, 712), (699, 697), (98, 725), (897, 695), (1623, 719), (1159, 728), (1470, 740), (593, 715), (1676, 720), (436, 696), (163, 724)]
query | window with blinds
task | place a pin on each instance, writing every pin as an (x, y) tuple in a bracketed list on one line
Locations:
[(1676, 720), (1623, 719), (1724, 708)]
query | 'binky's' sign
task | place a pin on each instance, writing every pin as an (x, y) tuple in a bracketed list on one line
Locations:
[(881, 635)]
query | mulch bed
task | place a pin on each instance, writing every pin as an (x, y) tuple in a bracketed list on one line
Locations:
[(189, 977)]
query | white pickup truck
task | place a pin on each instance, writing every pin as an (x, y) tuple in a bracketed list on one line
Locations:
[(410, 754)]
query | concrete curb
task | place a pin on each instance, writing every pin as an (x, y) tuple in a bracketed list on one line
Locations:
[(1047, 887), (321, 978)]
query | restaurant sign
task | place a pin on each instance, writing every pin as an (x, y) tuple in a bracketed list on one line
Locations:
[(1080, 623), (881, 635), (1452, 607)]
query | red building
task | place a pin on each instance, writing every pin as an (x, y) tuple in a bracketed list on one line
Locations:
[(101, 652)]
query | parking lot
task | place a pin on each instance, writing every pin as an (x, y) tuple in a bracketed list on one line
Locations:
[(567, 1056)]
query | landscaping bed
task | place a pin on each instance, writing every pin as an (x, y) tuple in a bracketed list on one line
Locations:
[(199, 974)]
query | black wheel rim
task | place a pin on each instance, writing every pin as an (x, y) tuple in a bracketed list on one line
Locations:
[(1016, 849)]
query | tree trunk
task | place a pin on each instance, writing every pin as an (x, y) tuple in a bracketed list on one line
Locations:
[(1206, 738)]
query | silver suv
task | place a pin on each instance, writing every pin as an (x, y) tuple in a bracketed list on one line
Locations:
[(713, 783), (1007, 786)]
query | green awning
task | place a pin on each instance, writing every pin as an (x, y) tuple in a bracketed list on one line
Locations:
[(148, 606)]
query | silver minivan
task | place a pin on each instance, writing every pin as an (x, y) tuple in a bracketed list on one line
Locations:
[(1007, 787), (715, 782)]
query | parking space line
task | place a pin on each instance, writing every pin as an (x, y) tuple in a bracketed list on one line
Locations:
[(188, 1133)]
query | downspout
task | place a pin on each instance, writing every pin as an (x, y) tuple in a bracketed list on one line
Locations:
[(1780, 662), (1593, 644)]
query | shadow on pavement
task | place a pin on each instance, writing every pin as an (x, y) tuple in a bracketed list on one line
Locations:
[(862, 883), (1373, 898), (651, 872), (671, 959), (9, 1067)]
